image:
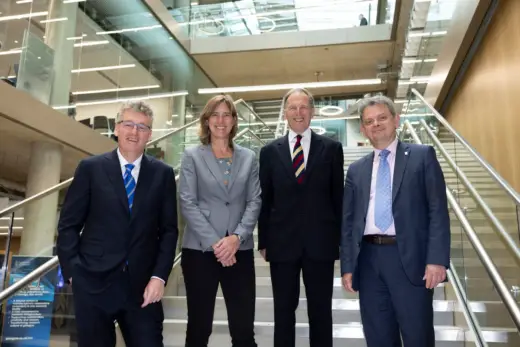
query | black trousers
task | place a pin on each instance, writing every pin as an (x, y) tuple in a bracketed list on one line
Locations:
[(202, 275), (318, 278), (96, 314)]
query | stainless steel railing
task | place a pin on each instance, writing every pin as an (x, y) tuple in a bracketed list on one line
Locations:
[(490, 267), (506, 237), (54, 262), (496, 176)]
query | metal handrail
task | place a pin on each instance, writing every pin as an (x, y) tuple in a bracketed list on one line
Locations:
[(54, 262), (506, 237), (453, 277), (254, 113), (499, 283), (67, 182), (496, 176)]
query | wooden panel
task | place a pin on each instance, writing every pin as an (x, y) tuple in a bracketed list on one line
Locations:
[(485, 108)]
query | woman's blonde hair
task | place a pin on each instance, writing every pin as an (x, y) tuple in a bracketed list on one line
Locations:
[(211, 105)]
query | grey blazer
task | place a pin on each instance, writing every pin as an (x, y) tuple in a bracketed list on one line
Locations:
[(211, 209)]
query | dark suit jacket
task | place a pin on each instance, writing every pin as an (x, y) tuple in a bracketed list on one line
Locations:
[(420, 210), (298, 219), (96, 204)]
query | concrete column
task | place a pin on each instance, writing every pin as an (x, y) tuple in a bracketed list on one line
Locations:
[(40, 217), (56, 34)]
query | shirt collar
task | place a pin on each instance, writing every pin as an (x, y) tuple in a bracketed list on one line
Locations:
[(392, 148), (123, 161), (305, 135)]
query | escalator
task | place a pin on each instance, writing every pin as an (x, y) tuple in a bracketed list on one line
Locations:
[(477, 307)]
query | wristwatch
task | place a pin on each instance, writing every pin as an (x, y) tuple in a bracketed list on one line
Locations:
[(240, 238)]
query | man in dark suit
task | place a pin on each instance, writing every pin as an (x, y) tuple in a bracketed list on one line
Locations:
[(117, 237), (395, 238), (301, 176)]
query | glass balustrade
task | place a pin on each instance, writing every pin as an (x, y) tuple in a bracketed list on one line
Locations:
[(484, 299), (93, 55), (20, 256), (253, 17)]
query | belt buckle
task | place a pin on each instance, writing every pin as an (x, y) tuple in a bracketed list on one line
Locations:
[(379, 240)]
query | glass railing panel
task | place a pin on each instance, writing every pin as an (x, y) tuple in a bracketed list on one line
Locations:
[(482, 297), (496, 199), (250, 17), (250, 119), (92, 56)]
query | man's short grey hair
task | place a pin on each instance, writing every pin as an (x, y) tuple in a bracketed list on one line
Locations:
[(376, 100), (295, 91), (137, 106)]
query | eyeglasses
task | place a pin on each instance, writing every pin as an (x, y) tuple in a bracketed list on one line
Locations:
[(129, 125)]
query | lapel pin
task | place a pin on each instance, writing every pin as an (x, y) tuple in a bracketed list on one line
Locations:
[(405, 153)]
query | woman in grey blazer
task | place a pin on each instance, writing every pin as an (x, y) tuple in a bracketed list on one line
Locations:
[(219, 193)]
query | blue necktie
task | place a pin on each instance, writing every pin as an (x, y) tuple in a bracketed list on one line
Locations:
[(129, 184), (383, 209)]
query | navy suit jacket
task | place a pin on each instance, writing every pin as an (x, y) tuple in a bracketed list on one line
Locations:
[(419, 206), (112, 235)]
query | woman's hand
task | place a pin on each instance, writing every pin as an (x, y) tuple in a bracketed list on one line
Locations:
[(226, 248)]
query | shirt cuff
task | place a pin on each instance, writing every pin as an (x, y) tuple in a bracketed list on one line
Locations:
[(159, 279)]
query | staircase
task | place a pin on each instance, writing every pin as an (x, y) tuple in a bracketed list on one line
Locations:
[(450, 326)]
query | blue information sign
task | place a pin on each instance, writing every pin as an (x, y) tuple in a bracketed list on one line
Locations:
[(28, 314)]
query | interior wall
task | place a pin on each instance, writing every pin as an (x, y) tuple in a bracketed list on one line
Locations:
[(484, 110)]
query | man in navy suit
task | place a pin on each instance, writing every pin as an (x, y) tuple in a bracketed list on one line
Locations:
[(117, 237), (395, 238)]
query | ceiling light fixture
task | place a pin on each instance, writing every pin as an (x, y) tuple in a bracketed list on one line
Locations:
[(98, 91), (61, 19), (120, 100), (24, 1), (129, 30), (103, 68), (432, 33), (24, 15), (308, 85), (12, 51), (91, 43), (72, 1), (330, 111)]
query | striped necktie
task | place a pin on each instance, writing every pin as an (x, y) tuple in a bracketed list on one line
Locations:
[(298, 160), (129, 184)]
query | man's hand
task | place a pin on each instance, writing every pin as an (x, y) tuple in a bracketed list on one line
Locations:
[(226, 248), (434, 275), (262, 253), (153, 292), (347, 282)]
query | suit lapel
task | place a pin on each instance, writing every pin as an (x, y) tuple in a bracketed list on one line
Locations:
[(285, 156), (144, 181), (115, 175), (314, 154), (401, 159), (236, 164), (366, 181), (209, 158)]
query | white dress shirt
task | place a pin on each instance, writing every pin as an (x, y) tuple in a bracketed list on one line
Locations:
[(305, 142), (370, 226), (135, 170), (135, 174)]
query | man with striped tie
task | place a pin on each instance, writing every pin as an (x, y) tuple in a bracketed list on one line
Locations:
[(301, 176), (395, 242), (117, 236)]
